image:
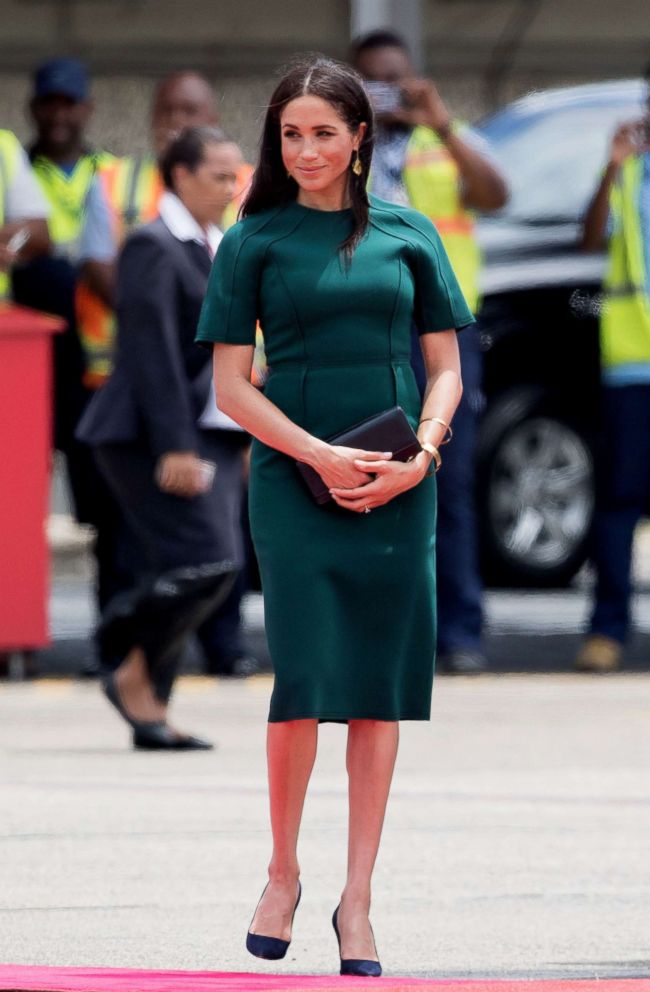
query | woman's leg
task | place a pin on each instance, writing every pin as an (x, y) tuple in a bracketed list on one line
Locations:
[(372, 749), (136, 689), (291, 752)]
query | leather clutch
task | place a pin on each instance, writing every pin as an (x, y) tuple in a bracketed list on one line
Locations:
[(387, 431)]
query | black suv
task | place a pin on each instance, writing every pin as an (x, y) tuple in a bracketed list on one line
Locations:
[(539, 327)]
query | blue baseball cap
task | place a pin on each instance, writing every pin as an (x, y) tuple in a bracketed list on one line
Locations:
[(62, 77)]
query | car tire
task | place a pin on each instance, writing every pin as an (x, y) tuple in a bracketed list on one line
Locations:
[(536, 491)]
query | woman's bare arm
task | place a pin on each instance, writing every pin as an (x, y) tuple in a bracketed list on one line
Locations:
[(444, 384), (239, 399)]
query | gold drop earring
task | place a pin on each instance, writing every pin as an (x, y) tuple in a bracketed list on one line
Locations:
[(357, 168)]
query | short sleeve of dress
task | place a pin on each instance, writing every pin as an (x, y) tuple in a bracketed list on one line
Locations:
[(230, 309), (439, 301)]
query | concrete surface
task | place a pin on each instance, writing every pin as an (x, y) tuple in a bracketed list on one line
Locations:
[(517, 841)]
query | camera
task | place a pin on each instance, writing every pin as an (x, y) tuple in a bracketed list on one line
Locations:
[(384, 97)]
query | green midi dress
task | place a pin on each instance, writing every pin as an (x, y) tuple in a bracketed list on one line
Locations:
[(349, 598)]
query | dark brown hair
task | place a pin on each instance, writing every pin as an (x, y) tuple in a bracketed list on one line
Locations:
[(188, 149), (341, 87), (382, 38)]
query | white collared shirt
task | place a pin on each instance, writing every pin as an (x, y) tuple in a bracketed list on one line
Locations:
[(180, 222), (177, 218)]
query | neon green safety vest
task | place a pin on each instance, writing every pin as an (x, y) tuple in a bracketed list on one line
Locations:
[(66, 195), (9, 156), (433, 184), (625, 316)]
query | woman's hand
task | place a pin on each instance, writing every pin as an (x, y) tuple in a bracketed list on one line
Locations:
[(180, 473), (344, 468), (390, 479)]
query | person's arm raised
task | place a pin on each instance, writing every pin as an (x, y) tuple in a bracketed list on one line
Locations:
[(484, 188), (624, 144)]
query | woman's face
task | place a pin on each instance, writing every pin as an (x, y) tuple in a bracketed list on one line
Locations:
[(208, 190), (317, 145)]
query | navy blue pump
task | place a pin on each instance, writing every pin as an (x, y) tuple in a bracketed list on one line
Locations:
[(355, 966), (270, 948)]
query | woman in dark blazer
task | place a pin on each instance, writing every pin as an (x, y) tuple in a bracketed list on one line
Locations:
[(147, 429)]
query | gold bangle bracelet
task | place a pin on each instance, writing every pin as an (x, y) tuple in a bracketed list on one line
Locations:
[(433, 451), (439, 420)]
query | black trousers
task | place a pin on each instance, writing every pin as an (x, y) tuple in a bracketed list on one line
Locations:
[(221, 635), (622, 498), (186, 554), (459, 584)]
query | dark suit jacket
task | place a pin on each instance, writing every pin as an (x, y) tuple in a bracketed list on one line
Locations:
[(161, 380)]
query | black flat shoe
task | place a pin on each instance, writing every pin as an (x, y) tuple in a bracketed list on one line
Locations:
[(355, 966), (153, 735), (269, 948), (160, 737)]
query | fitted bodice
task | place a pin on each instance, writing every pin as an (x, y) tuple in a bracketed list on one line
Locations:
[(337, 334), (344, 313)]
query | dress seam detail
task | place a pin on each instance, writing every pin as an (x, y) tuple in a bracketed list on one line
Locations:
[(399, 217)]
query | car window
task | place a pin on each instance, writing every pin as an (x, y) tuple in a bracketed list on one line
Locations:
[(553, 159)]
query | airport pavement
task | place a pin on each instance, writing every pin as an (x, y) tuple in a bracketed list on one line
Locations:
[(517, 842)]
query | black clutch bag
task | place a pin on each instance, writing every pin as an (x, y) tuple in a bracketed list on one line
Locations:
[(387, 431)]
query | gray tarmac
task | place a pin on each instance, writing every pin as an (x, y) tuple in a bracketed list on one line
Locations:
[(517, 841)]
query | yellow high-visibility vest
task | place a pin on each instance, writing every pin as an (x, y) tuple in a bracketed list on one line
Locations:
[(625, 314), (67, 195), (9, 156), (433, 185)]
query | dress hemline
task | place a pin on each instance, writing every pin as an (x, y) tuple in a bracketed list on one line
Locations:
[(345, 718)]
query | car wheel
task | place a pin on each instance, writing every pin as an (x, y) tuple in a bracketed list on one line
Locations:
[(536, 489)]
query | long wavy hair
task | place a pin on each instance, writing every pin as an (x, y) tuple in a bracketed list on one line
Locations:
[(340, 86)]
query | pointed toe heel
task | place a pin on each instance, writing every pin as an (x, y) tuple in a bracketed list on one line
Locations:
[(355, 966), (360, 968), (270, 948)]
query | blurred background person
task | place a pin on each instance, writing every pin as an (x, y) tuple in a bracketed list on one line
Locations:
[(619, 217), (126, 194), (65, 166), (23, 210), (426, 160), (155, 435)]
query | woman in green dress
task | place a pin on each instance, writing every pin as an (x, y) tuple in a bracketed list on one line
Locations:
[(336, 279)]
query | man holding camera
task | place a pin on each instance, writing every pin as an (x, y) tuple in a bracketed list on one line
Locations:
[(424, 159)]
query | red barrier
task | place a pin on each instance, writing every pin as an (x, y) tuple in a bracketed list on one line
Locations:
[(25, 457)]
